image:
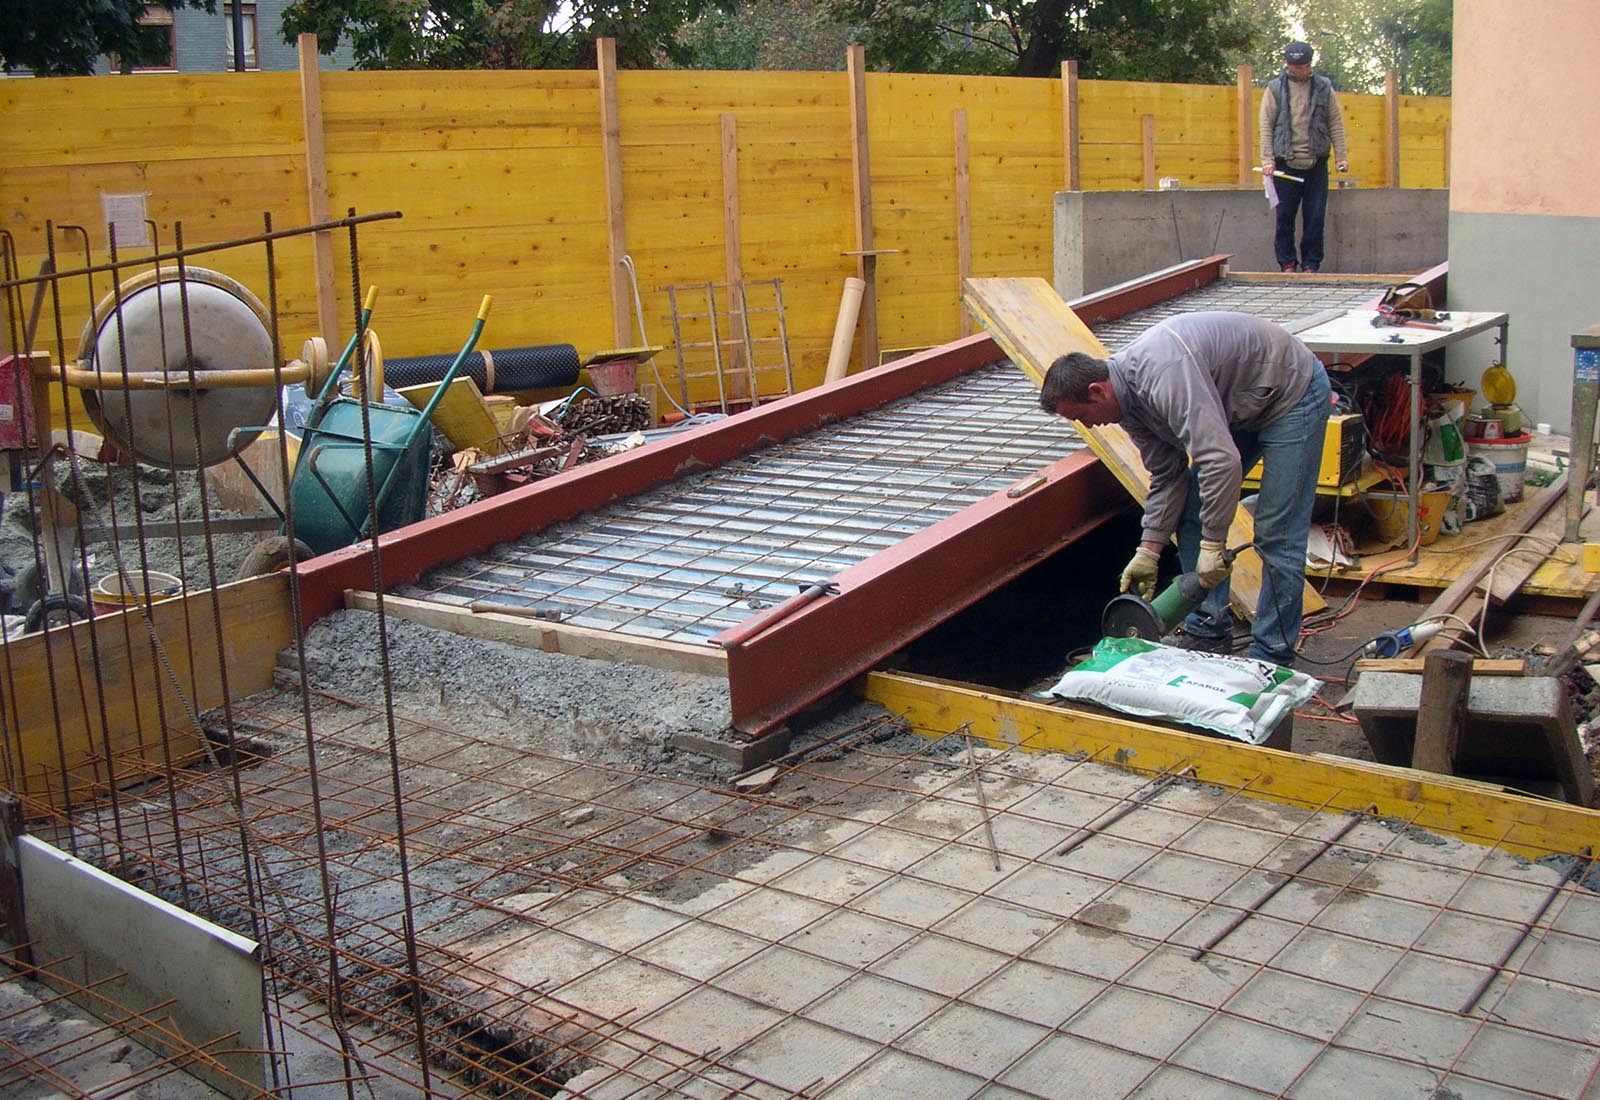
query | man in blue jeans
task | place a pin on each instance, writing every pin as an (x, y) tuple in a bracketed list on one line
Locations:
[(1203, 396), (1300, 125)]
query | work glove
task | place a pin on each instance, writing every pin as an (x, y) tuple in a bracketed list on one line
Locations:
[(1140, 575), (1214, 565)]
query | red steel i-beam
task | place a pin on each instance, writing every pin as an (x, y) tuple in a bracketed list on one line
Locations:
[(821, 640)]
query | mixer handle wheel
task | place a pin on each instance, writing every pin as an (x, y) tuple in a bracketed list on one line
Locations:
[(314, 353)]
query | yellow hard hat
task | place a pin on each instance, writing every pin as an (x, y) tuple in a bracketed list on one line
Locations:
[(1497, 385)]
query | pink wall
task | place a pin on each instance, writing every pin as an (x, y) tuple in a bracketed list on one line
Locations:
[(1525, 136)]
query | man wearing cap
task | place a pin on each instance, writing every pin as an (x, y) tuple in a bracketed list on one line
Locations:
[(1300, 124)]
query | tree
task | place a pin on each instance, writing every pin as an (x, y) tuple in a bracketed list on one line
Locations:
[(1359, 40), (68, 37), (770, 35), (1193, 41), (497, 34)]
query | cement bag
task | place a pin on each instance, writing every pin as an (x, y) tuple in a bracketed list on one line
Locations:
[(1237, 697)]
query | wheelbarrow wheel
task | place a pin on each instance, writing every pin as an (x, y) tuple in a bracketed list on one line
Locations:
[(56, 609), (271, 555), (29, 587)]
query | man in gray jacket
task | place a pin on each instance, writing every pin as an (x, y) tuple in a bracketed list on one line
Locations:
[(1300, 125), (1203, 396)]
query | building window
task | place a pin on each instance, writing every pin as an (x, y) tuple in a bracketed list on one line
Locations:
[(248, 11), (160, 51)]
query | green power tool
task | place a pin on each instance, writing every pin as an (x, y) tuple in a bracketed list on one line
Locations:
[(1133, 616)]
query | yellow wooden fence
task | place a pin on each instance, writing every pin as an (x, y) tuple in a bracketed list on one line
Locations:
[(533, 186)]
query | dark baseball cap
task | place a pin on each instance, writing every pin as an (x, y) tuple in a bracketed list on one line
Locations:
[(1298, 53)]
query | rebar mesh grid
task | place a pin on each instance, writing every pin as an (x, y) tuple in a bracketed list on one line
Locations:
[(641, 935), (698, 557)]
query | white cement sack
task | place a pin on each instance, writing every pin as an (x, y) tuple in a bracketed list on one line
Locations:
[(1237, 697)]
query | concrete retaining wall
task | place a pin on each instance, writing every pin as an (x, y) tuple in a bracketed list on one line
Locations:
[(1106, 237)]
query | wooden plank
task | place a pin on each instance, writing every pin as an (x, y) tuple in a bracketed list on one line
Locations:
[(963, 214), (1481, 666), (1070, 171), (1245, 120), (551, 637), (1147, 141), (861, 180), (616, 222), (317, 190), (1391, 129), (90, 692), (1471, 811), (1033, 326), (1462, 599), (1443, 712)]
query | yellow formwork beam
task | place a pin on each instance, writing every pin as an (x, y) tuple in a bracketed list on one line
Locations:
[(1473, 812)]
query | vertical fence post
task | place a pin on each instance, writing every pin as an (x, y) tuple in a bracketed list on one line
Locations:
[(611, 159), (963, 219), (317, 188), (732, 260), (1147, 139), (1391, 129), (1247, 144), (861, 165), (1071, 173)]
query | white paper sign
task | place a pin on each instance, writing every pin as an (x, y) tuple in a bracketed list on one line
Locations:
[(127, 214)]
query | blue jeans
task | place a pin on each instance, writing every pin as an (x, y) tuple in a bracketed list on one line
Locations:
[(1290, 449), (1310, 201)]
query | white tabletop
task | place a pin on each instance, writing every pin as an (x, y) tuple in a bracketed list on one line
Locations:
[(1353, 331)]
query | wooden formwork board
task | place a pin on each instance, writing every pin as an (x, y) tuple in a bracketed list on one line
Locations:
[(108, 705), (1475, 812)]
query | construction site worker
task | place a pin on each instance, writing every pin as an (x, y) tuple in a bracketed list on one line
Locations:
[(1300, 124), (1204, 396)]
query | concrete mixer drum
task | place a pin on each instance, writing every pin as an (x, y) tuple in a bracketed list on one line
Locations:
[(154, 323)]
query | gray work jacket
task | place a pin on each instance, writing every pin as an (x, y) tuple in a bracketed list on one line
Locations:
[(1185, 386)]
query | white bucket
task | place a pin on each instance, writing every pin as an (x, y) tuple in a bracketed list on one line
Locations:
[(1510, 458)]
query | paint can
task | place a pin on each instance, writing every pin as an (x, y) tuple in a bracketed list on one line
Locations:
[(119, 591), (1510, 457), (1391, 511)]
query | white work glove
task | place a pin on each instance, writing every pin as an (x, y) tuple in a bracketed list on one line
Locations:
[(1212, 567), (1139, 577)]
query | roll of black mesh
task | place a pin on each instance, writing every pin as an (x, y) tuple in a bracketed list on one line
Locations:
[(533, 368)]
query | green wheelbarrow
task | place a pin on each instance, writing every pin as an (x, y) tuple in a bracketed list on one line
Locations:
[(363, 466)]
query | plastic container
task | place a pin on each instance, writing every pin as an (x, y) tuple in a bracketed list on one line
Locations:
[(118, 592), (1510, 457), (1389, 512)]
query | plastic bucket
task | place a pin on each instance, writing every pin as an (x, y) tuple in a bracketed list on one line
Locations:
[(1510, 458), (1389, 512), (615, 378), (117, 591)]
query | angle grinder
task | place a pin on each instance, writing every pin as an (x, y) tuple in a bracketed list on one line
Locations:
[(1133, 616)]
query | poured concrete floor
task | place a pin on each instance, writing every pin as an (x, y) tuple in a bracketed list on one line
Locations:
[(874, 926)]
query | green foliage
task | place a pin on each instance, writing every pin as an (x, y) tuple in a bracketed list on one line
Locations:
[(1358, 40), (1191, 41), (68, 37), (771, 35), (497, 34)]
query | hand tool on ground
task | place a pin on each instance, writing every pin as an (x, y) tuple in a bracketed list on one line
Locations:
[(1133, 616)]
